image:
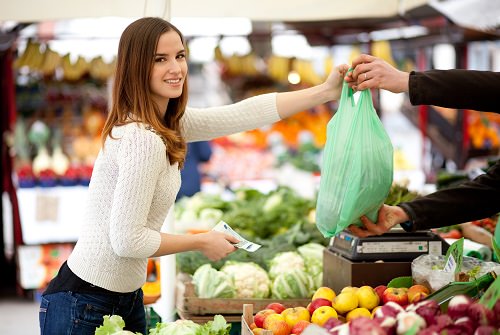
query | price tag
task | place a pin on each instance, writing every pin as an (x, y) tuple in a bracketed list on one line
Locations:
[(454, 257), (492, 294)]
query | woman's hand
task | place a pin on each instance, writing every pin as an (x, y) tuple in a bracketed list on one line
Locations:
[(216, 245), (388, 217), (335, 80), (373, 72)]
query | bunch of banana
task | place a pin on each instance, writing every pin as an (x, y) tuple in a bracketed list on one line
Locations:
[(51, 61), (32, 57), (218, 56), (278, 68), (248, 65), (306, 71), (233, 64), (101, 70), (73, 72)]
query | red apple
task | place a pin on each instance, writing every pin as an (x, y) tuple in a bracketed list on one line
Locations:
[(380, 291), (318, 302), (276, 306), (277, 324), (261, 316), (397, 295), (417, 293), (300, 326)]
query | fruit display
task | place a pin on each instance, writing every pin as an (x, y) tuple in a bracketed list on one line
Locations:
[(359, 310)]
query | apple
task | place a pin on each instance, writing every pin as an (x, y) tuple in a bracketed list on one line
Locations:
[(277, 324), (417, 293), (322, 314), (367, 297), (351, 289), (380, 291), (358, 312), (398, 295), (295, 314), (318, 303), (345, 302), (299, 327), (257, 331), (261, 316), (276, 306), (324, 293)]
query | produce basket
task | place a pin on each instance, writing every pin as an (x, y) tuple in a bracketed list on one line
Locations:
[(247, 320), (188, 303)]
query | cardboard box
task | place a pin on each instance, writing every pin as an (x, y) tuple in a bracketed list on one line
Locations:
[(339, 272)]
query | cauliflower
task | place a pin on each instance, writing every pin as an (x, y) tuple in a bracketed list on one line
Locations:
[(285, 262), (249, 279)]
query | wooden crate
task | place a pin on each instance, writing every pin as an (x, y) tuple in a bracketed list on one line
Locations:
[(247, 320), (188, 303)]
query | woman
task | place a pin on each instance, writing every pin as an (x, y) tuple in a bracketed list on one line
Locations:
[(473, 200), (136, 178)]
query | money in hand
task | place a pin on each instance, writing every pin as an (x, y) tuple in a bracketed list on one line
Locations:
[(244, 244)]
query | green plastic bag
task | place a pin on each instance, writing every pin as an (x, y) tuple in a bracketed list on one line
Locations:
[(357, 165)]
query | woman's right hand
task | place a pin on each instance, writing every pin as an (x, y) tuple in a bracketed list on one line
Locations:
[(216, 245)]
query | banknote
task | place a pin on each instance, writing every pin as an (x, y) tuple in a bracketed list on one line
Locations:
[(243, 244)]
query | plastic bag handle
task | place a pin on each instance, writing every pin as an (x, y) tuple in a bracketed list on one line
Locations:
[(350, 91)]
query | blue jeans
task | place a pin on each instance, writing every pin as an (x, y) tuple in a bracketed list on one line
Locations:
[(66, 313)]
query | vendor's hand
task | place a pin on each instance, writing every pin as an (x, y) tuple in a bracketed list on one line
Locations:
[(373, 72), (388, 217), (335, 81), (216, 245)]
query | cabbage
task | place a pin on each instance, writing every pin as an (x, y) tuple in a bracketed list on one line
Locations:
[(285, 262), (313, 260), (210, 283), (113, 325), (249, 279), (178, 327), (292, 285), (209, 217)]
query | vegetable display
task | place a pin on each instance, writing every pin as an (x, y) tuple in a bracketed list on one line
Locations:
[(114, 325), (249, 279)]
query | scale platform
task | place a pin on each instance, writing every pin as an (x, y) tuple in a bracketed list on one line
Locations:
[(395, 245)]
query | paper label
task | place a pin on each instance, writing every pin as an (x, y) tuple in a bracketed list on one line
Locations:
[(454, 256), (244, 244)]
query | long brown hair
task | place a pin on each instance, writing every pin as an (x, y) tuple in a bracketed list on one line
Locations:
[(131, 96)]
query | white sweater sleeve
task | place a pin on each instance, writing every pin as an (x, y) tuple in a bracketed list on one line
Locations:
[(140, 157), (201, 124)]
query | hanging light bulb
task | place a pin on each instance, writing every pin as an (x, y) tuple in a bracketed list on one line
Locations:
[(293, 77)]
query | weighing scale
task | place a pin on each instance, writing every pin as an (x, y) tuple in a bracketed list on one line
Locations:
[(395, 245)]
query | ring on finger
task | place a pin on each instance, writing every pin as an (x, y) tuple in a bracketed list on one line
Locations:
[(364, 78)]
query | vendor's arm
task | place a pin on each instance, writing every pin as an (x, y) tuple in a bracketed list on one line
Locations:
[(473, 200), (463, 89)]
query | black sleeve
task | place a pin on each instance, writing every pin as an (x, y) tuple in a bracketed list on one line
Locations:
[(473, 200), (462, 89)]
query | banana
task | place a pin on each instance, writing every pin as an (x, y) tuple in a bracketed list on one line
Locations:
[(51, 60)]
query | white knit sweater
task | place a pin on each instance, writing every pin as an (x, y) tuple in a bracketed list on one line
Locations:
[(133, 186)]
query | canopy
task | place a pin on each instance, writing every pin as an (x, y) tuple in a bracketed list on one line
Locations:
[(257, 10)]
